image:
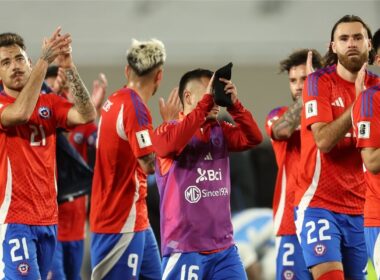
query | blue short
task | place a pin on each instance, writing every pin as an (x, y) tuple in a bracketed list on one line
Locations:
[(27, 251), (372, 240), (222, 265), (290, 263), (326, 236), (67, 260), (125, 256)]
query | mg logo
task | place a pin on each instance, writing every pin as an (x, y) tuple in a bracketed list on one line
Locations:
[(192, 194)]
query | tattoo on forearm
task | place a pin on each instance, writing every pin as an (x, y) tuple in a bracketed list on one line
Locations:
[(47, 55), (82, 99), (291, 118)]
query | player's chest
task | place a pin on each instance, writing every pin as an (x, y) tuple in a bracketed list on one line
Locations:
[(341, 98)]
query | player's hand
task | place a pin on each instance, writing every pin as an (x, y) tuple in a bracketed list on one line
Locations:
[(55, 45), (60, 82), (230, 88), (170, 109), (99, 88), (309, 63), (359, 82)]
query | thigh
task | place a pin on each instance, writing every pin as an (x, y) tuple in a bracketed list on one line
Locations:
[(354, 250), (290, 263), (179, 266), (227, 265), (372, 239), (18, 252), (151, 263), (320, 237), (117, 256), (46, 244), (72, 258)]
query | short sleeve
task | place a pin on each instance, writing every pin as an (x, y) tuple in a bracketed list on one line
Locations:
[(272, 117), (61, 108), (366, 119), (316, 98), (138, 126)]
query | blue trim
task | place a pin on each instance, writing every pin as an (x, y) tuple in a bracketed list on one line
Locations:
[(140, 110), (367, 101)]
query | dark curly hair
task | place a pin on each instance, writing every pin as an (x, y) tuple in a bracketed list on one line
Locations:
[(299, 57)]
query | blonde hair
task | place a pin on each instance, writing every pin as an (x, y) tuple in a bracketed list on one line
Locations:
[(143, 57)]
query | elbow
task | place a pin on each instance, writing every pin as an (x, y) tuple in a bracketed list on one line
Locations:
[(282, 134), (324, 146), (21, 117), (255, 140)]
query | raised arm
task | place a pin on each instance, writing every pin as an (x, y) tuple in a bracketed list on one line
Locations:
[(83, 110), (20, 111)]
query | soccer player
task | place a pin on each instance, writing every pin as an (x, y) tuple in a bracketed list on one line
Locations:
[(29, 212), (283, 127), (193, 177), (122, 243), (330, 196), (366, 122)]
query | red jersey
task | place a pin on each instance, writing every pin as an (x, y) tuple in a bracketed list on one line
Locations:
[(333, 180), (29, 195), (119, 185), (287, 154), (366, 122)]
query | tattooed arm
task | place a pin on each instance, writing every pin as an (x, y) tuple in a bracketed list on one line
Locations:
[(147, 163), (284, 127), (83, 110)]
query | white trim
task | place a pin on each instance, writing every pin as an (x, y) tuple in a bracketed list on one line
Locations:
[(98, 133), (7, 195), (173, 259), (109, 261), (120, 124), (129, 225), (308, 195), (3, 231), (281, 205), (376, 256)]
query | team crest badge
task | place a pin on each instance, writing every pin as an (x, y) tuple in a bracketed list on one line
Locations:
[(288, 275), (320, 249), (44, 112), (23, 268), (78, 138)]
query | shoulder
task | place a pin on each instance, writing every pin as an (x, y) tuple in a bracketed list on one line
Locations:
[(276, 112)]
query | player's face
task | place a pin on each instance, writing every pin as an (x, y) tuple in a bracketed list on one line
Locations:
[(352, 45), (14, 67), (297, 76)]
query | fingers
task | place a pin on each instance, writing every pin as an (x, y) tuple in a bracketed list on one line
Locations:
[(210, 84), (309, 63), (161, 104), (360, 79), (173, 96), (103, 80), (56, 33)]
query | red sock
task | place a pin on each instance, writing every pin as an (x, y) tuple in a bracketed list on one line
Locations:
[(332, 275)]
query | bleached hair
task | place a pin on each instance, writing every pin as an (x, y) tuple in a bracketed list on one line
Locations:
[(143, 57)]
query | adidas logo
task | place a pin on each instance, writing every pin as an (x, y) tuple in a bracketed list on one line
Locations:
[(338, 102), (208, 156)]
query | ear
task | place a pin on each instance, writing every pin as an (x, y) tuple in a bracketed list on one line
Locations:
[(377, 59), (187, 97), (369, 44), (159, 76), (333, 47)]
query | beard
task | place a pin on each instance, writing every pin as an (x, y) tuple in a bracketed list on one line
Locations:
[(353, 63)]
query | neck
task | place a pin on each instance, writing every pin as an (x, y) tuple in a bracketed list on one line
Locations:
[(11, 92), (346, 74), (145, 91)]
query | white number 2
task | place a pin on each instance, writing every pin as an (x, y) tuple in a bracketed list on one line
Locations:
[(321, 233), (17, 246), (132, 263), (37, 132), (289, 252), (191, 274)]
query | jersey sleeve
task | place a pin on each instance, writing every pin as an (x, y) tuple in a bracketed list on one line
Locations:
[(138, 127), (61, 108), (245, 134), (366, 119), (316, 98), (272, 117)]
